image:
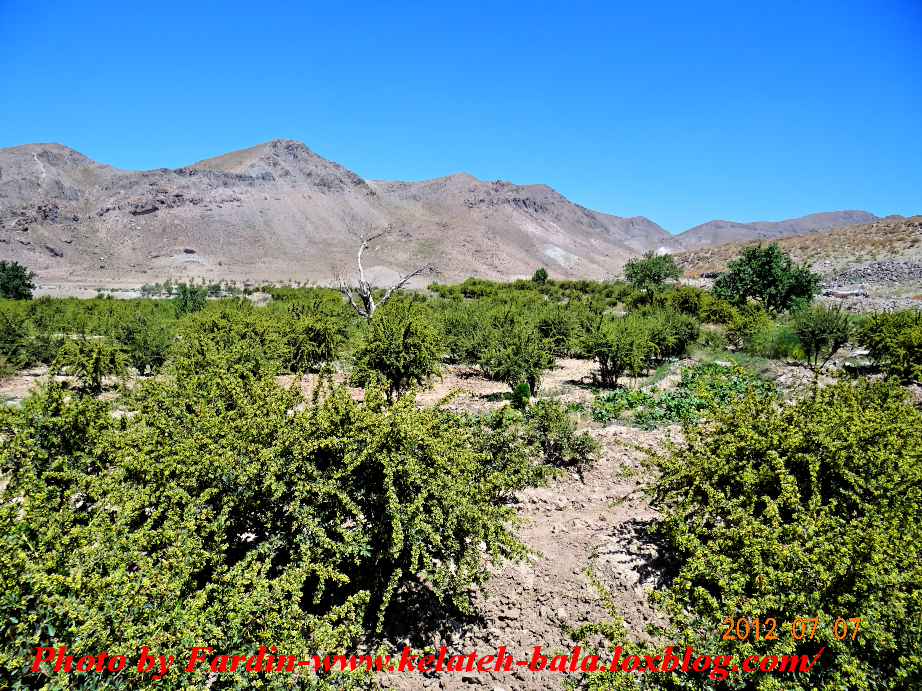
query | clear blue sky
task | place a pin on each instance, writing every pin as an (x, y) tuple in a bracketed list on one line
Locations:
[(681, 111)]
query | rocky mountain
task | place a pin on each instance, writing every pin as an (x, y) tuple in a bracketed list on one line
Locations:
[(280, 212), (721, 232)]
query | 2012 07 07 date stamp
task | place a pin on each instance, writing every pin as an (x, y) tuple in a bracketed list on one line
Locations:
[(799, 628)]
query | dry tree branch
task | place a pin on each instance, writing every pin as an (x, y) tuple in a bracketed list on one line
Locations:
[(364, 290)]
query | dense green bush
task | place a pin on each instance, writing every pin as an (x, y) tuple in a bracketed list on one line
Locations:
[(190, 298), (243, 339), (669, 331), (540, 276), (713, 310), (550, 427), (402, 348), (465, 329), (753, 330), (146, 339), (805, 510), (313, 338), (620, 345), (685, 299), (517, 354), (14, 338), (821, 332), (559, 326), (229, 511), (894, 340), (768, 275), (90, 361), (15, 281)]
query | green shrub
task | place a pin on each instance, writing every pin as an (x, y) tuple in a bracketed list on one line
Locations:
[(540, 276), (464, 328), (821, 332), (313, 339), (15, 281), (713, 310), (768, 275), (713, 339), (146, 340), (517, 354), (702, 392), (219, 515), (620, 345), (778, 342), (559, 326), (14, 339), (746, 325), (190, 298), (812, 509), (236, 338), (686, 299), (669, 331), (894, 340), (609, 406), (550, 427), (512, 461), (402, 348), (90, 361)]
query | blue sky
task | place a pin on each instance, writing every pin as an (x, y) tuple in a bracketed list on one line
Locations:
[(682, 112)]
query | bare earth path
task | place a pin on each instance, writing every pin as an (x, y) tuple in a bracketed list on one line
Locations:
[(570, 525)]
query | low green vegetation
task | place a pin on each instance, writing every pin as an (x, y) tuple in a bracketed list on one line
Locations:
[(171, 487), (703, 391)]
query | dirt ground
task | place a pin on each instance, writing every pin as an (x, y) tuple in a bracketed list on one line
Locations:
[(574, 526)]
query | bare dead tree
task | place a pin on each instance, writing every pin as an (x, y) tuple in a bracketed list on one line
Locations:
[(365, 306)]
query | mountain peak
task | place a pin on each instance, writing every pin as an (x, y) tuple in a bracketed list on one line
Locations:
[(283, 160)]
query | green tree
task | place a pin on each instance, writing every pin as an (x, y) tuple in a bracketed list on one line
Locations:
[(402, 348), (15, 281), (651, 271), (769, 275), (540, 276)]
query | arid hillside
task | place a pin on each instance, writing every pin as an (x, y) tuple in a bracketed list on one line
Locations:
[(893, 238), (722, 232), (278, 211)]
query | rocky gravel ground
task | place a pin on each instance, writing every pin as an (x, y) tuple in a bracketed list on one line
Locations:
[(880, 286)]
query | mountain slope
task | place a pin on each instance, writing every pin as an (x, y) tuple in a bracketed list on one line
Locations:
[(278, 211), (827, 251), (722, 232)]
